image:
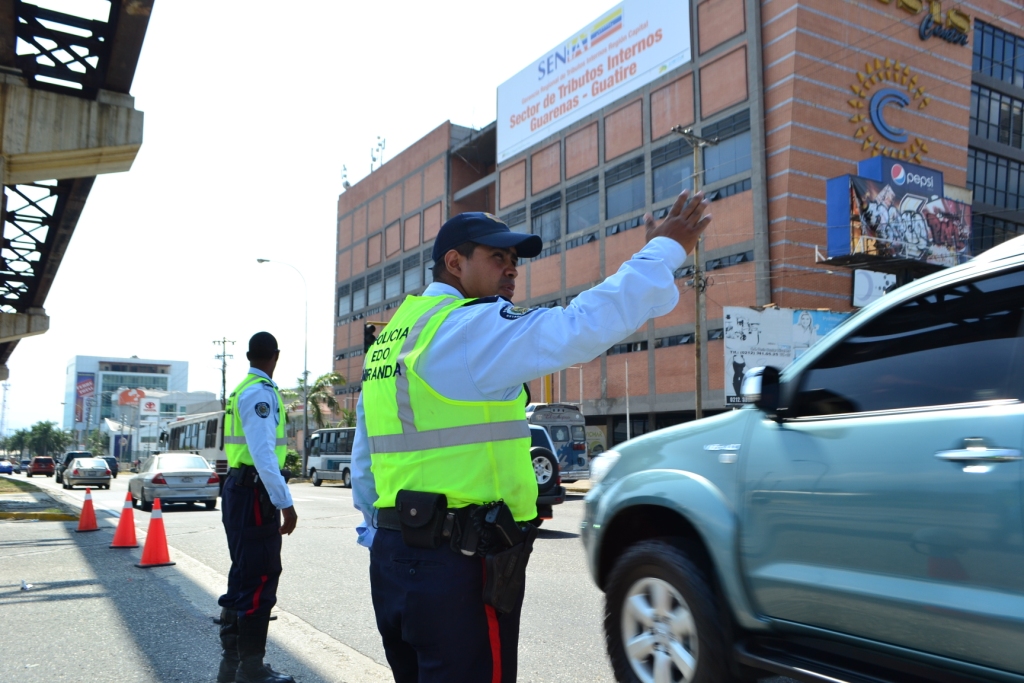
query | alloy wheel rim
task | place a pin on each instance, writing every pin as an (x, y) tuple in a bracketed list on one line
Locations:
[(542, 468), (659, 634)]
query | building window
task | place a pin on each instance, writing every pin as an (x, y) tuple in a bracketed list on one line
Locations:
[(997, 117), (998, 54), (413, 275), (732, 153), (726, 261), (344, 300), (374, 288), (674, 340), (581, 205), (994, 179), (358, 294), (673, 170), (624, 188), (628, 348), (546, 217), (392, 280), (988, 232), (428, 265), (729, 190), (516, 217)]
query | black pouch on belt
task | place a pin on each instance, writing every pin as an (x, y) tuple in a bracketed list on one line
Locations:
[(506, 573), (422, 516)]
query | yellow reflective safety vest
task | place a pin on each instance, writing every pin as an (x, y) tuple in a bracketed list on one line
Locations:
[(236, 450), (474, 452)]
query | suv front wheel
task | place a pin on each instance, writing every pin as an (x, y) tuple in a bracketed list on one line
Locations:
[(661, 620)]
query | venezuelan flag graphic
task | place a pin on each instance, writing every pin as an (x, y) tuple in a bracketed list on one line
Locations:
[(605, 26)]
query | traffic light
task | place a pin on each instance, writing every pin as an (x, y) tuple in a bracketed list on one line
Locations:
[(368, 337)]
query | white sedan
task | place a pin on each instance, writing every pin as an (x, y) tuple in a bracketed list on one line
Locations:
[(175, 478)]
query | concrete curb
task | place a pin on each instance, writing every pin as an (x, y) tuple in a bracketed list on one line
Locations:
[(41, 516)]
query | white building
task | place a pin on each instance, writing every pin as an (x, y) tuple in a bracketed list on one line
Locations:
[(93, 383)]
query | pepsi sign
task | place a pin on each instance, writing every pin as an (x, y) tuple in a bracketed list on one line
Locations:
[(903, 175)]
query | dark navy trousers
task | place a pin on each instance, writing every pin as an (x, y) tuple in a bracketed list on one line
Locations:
[(253, 527), (432, 618)]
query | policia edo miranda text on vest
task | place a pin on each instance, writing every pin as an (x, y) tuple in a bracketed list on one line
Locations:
[(255, 496), (441, 466)]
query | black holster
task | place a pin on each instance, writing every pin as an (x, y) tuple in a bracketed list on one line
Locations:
[(506, 573), (422, 517)]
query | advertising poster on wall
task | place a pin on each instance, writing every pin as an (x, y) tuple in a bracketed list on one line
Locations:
[(85, 386), (627, 47), (149, 407), (773, 336), (597, 439)]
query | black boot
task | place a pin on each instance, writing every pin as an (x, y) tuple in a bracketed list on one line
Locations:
[(229, 645), (252, 646)]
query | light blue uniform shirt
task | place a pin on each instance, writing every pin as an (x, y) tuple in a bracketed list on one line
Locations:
[(261, 437), (485, 352)]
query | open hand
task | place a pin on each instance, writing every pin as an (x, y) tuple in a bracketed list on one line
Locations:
[(684, 223)]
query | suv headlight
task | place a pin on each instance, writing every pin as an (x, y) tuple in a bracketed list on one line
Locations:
[(602, 464)]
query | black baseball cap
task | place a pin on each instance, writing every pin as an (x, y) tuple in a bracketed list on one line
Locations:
[(487, 229), (262, 345)]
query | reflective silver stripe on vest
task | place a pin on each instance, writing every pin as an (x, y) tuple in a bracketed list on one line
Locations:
[(450, 436), (240, 441), (405, 414)]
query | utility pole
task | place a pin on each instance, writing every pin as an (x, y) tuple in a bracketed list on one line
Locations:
[(223, 357), (699, 281), (3, 415)]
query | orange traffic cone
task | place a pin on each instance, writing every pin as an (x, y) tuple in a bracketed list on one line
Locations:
[(154, 553), (87, 522), (124, 537)]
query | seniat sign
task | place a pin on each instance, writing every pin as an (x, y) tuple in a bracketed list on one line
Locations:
[(625, 48)]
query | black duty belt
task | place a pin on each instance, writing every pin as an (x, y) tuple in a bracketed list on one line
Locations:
[(388, 518)]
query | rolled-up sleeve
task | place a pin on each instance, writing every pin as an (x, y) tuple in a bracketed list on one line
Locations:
[(364, 488), (260, 426)]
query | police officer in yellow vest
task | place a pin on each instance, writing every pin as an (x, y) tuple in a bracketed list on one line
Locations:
[(441, 466), (254, 498)]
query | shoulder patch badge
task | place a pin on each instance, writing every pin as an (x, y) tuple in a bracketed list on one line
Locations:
[(263, 409), (515, 312)]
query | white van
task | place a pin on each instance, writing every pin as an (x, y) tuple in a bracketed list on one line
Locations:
[(567, 428), (330, 455)]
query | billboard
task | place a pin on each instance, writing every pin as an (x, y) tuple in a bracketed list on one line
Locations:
[(898, 213), (130, 397), (773, 336), (625, 48), (869, 285), (85, 386)]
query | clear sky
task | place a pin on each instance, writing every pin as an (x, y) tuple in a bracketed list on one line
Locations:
[(251, 110)]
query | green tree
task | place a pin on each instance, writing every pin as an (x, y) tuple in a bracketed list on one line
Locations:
[(45, 439), (18, 441), (98, 442), (348, 418), (321, 396)]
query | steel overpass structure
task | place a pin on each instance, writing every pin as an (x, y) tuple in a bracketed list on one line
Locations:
[(66, 116)]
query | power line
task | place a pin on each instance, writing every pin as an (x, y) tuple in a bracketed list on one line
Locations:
[(223, 357)]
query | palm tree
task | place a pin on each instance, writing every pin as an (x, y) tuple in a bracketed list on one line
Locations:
[(321, 395), (45, 439), (17, 441)]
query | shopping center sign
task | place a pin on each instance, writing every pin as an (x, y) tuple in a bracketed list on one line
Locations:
[(625, 48), (952, 26), (884, 85)]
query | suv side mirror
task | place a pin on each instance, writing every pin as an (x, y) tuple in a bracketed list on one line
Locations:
[(761, 387)]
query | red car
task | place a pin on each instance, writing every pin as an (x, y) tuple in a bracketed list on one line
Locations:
[(40, 465)]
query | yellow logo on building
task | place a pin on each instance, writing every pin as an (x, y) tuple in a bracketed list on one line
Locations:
[(885, 84)]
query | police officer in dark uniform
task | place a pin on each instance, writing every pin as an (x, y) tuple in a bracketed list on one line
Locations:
[(254, 498)]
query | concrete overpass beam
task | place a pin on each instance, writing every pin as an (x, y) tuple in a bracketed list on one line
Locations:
[(49, 135), (18, 325)]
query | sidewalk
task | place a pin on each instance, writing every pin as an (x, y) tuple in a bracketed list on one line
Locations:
[(92, 615), (579, 486)]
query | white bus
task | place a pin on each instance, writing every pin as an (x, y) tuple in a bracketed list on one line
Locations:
[(202, 434), (330, 455)]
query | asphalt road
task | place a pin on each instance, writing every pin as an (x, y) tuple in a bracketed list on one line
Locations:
[(326, 583)]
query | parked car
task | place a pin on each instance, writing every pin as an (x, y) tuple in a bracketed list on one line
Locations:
[(64, 461), (87, 472), (40, 465), (861, 521), (175, 478), (6, 467), (112, 463), (24, 465), (15, 465), (550, 491)]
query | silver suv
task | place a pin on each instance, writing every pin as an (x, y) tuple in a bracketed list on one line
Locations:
[(862, 521)]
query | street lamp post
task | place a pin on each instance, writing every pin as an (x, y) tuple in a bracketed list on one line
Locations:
[(305, 357)]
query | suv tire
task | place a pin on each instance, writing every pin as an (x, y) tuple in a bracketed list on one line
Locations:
[(681, 626), (545, 466)]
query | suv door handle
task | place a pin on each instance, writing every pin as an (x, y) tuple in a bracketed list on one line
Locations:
[(980, 455)]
